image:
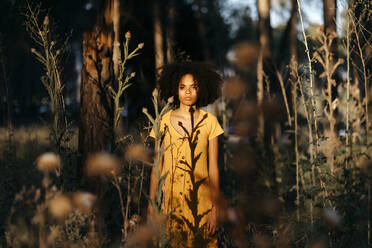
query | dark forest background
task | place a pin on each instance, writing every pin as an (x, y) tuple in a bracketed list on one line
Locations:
[(77, 80)]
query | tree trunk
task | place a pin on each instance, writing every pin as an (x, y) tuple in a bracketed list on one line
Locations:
[(158, 37), (266, 68), (96, 109), (264, 37), (264, 28), (293, 33), (289, 38), (115, 8), (329, 12), (170, 32), (202, 31)]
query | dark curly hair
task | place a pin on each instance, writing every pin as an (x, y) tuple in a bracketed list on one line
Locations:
[(205, 75)]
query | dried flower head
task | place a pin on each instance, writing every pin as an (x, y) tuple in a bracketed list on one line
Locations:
[(60, 206), (318, 244), (171, 99), (137, 152), (155, 93), (46, 21), (47, 162), (245, 122), (133, 74), (102, 164), (127, 35), (331, 218), (234, 88), (142, 237), (144, 110), (244, 56), (84, 201), (141, 45)]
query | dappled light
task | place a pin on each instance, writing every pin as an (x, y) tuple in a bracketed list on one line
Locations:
[(191, 123)]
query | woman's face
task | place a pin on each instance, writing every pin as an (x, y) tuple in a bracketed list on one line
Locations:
[(188, 90)]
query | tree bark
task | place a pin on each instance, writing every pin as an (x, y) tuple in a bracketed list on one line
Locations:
[(170, 32), (116, 25), (158, 37), (329, 15), (293, 33), (289, 38), (266, 68), (96, 109), (264, 28), (264, 57), (202, 31)]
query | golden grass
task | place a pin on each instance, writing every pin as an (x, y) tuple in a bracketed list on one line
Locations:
[(31, 139)]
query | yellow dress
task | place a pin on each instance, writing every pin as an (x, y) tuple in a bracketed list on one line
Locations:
[(186, 195)]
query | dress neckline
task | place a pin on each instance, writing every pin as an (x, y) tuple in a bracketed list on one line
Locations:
[(195, 122)]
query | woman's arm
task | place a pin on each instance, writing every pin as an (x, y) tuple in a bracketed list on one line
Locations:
[(213, 184)]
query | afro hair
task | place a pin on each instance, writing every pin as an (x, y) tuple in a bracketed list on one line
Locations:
[(205, 75)]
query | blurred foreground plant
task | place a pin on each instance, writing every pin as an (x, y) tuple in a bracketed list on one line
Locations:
[(47, 217), (159, 152)]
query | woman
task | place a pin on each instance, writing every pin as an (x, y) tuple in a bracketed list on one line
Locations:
[(190, 161)]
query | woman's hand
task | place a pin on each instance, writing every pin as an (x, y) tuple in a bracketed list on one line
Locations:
[(212, 222)]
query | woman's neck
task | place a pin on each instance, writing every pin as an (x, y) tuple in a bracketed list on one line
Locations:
[(185, 110)]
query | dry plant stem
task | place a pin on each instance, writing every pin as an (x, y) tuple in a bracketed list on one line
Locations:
[(260, 96), (129, 198), (324, 56), (310, 130), (348, 89), (310, 75), (365, 77), (116, 183), (313, 152), (141, 186), (284, 97), (49, 55), (294, 101), (366, 102), (123, 82), (156, 205), (159, 152)]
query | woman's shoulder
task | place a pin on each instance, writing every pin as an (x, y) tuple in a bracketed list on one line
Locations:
[(165, 118), (167, 114), (208, 115)]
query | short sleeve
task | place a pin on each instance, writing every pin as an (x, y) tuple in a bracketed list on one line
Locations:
[(152, 133), (163, 122), (215, 128)]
